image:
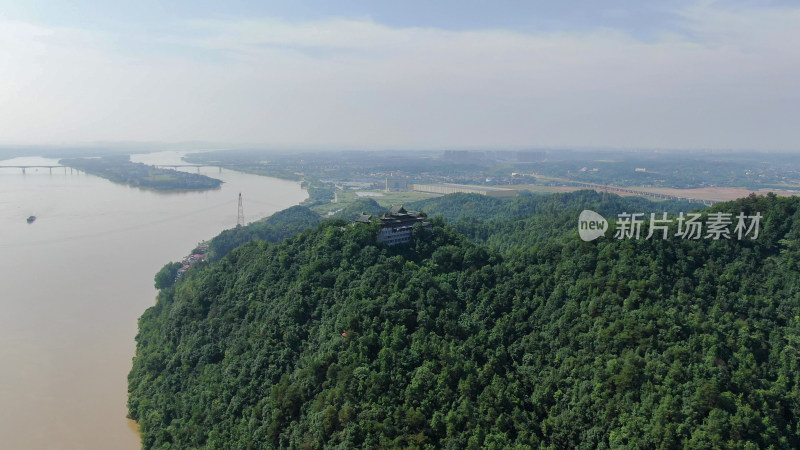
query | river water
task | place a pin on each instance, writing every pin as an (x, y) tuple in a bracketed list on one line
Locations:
[(74, 282)]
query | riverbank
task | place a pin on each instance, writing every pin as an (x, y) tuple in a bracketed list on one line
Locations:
[(75, 284)]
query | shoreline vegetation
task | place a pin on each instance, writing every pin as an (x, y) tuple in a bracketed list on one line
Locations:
[(119, 169)]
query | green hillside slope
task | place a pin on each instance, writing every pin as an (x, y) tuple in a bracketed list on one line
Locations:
[(328, 339)]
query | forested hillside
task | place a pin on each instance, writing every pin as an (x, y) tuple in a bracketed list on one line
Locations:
[(527, 218), (277, 227), (516, 334)]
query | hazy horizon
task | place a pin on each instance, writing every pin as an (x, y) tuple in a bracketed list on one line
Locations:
[(363, 76), (191, 147)]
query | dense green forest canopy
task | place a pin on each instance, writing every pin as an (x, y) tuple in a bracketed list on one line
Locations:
[(277, 227), (510, 333)]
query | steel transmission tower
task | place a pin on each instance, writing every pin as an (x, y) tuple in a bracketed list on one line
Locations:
[(240, 218)]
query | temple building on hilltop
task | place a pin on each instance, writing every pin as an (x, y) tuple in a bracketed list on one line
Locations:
[(396, 225)]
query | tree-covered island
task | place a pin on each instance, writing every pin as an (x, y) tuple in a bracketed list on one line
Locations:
[(120, 169)]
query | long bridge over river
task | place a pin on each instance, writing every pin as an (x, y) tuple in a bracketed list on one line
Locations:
[(25, 168), (50, 168), (654, 195)]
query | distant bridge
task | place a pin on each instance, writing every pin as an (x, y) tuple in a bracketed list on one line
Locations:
[(654, 195), (37, 167), (162, 166)]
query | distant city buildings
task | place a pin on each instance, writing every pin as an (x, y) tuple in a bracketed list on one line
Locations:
[(394, 184), (531, 156), (495, 155), (463, 155)]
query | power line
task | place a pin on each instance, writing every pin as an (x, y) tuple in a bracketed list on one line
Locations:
[(240, 217)]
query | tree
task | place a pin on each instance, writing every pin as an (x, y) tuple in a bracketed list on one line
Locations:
[(166, 276)]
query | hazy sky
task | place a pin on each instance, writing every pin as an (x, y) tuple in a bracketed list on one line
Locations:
[(411, 74)]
